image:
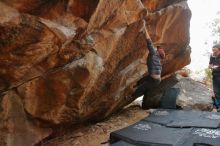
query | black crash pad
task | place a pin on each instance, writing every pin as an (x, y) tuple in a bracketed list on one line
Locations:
[(150, 134), (168, 99), (122, 143), (164, 128), (180, 118), (202, 137)]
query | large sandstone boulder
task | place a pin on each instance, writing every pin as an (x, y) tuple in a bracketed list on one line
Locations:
[(73, 61)]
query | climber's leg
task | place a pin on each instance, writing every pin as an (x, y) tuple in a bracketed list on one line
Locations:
[(145, 85), (150, 102)]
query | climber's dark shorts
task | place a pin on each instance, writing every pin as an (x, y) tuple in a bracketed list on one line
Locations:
[(145, 84)]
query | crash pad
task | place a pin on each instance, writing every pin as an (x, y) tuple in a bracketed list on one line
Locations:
[(181, 118), (147, 133), (122, 143), (167, 127), (168, 99), (202, 137)]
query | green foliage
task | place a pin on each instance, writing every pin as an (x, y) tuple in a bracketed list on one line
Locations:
[(215, 25), (208, 73), (208, 77)]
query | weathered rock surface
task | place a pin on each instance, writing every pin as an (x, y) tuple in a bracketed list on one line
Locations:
[(162, 24), (74, 61), (194, 95), (17, 129)]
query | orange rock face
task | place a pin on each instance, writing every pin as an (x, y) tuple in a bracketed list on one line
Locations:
[(74, 61)]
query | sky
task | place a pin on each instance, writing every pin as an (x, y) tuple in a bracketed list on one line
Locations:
[(201, 39)]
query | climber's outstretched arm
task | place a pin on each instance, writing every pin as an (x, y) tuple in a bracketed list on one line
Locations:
[(149, 43)]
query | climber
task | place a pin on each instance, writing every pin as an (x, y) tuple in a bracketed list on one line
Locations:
[(214, 65), (154, 69)]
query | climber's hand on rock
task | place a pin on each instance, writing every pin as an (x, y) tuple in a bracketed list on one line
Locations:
[(143, 25), (143, 14), (142, 61)]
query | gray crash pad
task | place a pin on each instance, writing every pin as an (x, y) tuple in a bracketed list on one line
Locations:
[(181, 119), (168, 99), (202, 137), (149, 134), (166, 127), (122, 143)]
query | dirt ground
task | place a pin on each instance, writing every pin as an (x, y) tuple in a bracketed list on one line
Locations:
[(97, 134)]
